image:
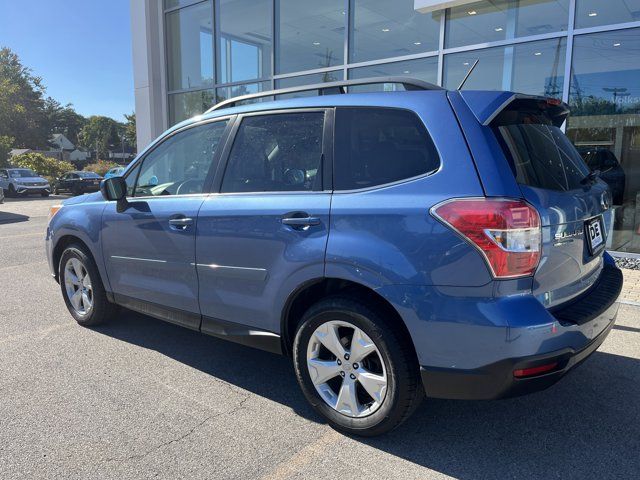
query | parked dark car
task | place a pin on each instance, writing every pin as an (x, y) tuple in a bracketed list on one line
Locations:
[(77, 182), (604, 160)]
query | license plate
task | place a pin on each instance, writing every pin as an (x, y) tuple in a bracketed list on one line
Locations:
[(594, 231)]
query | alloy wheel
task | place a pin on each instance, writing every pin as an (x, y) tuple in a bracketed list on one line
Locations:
[(78, 286), (347, 369)]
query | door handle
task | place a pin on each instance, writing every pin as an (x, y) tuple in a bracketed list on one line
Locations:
[(180, 223), (301, 222)]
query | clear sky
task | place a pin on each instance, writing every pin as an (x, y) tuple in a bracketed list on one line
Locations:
[(80, 48)]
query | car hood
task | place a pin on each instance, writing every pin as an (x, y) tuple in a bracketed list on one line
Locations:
[(30, 179), (87, 197)]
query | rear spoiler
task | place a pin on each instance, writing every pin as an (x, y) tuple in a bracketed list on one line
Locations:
[(488, 106)]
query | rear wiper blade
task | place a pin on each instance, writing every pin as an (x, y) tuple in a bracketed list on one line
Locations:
[(591, 177)]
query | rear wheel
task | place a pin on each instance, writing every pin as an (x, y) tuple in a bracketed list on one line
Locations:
[(12, 191), (82, 287), (354, 368)]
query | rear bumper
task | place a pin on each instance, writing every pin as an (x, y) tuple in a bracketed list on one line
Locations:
[(592, 316), (497, 381)]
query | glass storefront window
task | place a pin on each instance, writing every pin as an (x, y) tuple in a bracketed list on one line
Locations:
[(485, 21), (383, 29), (591, 13), (178, 3), (423, 69), (224, 93), (189, 34), (312, 79), (535, 68), (310, 34), (244, 41), (605, 122), (188, 104)]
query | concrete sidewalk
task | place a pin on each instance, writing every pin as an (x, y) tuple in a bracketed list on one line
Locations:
[(631, 288)]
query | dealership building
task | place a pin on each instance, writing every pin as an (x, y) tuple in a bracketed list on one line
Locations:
[(190, 54)]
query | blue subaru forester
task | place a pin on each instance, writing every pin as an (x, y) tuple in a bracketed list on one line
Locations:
[(394, 244)]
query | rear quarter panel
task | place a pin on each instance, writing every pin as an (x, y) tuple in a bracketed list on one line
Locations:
[(385, 235)]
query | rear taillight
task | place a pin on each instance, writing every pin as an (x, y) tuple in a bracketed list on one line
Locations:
[(507, 232)]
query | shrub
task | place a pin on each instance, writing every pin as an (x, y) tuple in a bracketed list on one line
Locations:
[(50, 168), (100, 167)]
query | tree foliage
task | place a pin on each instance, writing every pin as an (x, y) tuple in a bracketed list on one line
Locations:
[(63, 119), (101, 134), (21, 103), (5, 148), (48, 167), (130, 130), (100, 167), (29, 117)]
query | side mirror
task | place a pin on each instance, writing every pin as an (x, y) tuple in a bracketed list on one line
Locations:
[(115, 188)]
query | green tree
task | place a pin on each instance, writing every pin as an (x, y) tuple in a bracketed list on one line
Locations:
[(63, 119), (5, 148), (50, 168), (130, 130), (101, 134), (100, 167), (21, 103)]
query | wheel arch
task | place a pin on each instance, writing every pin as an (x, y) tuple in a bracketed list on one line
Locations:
[(61, 245), (314, 290)]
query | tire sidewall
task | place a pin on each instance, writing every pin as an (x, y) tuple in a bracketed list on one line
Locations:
[(87, 262), (371, 424)]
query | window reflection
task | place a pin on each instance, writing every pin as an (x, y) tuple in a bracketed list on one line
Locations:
[(189, 34), (535, 68), (383, 28), (188, 104), (224, 93), (311, 34), (423, 69), (245, 40), (483, 22), (605, 122), (590, 13), (312, 79)]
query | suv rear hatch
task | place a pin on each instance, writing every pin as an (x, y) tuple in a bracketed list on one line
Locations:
[(552, 176)]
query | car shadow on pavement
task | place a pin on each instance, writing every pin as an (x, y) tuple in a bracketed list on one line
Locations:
[(586, 426), (6, 217)]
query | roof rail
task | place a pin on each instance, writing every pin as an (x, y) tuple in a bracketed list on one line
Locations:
[(330, 88)]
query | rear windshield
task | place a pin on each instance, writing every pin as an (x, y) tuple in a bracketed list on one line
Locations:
[(540, 154), (88, 175)]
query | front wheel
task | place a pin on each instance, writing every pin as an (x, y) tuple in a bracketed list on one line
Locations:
[(82, 287), (355, 367)]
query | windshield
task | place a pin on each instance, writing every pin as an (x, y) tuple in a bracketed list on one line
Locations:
[(88, 175), (22, 173)]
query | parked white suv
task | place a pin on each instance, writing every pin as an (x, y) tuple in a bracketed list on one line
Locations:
[(23, 181)]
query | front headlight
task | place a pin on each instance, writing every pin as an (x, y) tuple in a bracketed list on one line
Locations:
[(19, 182)]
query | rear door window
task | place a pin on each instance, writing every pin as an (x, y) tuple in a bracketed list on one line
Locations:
[(376, 146), (276, 153)]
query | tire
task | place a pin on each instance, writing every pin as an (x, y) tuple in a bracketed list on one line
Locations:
[(393, 359), (99, 309), (12, 191)]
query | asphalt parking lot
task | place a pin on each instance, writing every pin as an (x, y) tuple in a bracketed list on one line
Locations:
[(139, 398)]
